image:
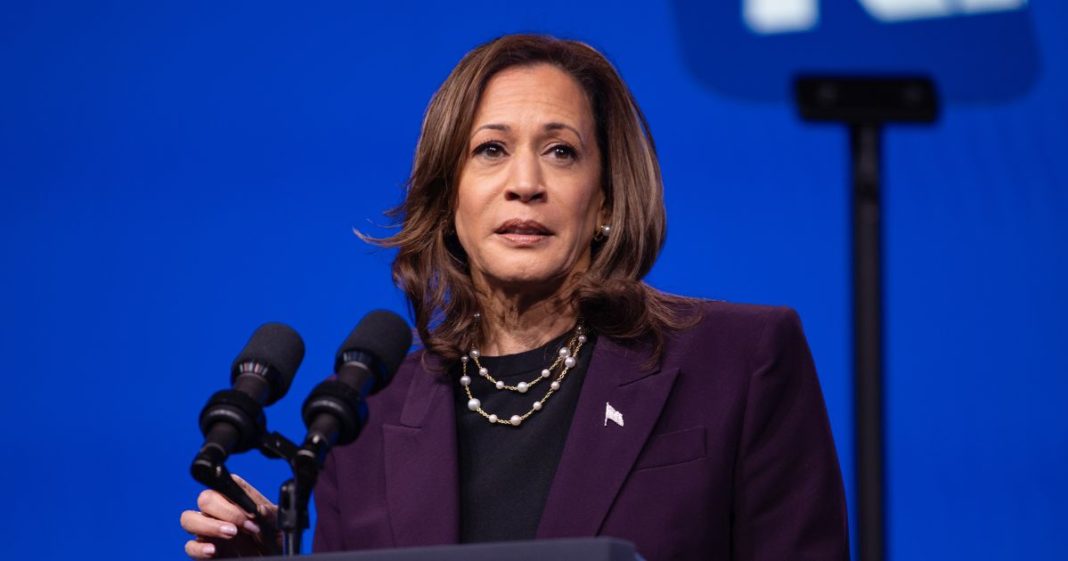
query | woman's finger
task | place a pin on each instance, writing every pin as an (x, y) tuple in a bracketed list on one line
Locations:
[(217, 506), (199, 550), (255, 494), (198, 524)]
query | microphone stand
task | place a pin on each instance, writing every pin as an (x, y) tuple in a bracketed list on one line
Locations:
[(295, 493), (209, 468)]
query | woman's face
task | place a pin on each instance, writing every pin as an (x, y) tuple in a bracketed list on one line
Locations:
[(529, 189)]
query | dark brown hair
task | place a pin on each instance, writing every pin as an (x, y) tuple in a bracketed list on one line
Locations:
[(431, 266)]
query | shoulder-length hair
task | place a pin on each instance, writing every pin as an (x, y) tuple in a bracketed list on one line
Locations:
[(431, 266)]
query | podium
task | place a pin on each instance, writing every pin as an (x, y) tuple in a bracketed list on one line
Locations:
[(568, 549)]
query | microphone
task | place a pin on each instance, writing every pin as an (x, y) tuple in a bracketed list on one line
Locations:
[(232, 421), (335, 410)]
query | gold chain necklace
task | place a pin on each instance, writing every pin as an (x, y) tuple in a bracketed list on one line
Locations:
[(566, 359)]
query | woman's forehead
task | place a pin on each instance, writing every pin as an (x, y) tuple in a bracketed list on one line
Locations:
[(541, 96)]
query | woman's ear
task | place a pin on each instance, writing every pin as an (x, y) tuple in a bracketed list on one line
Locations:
[(603, 226), (604, 216)]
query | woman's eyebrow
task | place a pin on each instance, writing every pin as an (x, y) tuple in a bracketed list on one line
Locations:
[(493, 126), (553, 126), (557, 126)]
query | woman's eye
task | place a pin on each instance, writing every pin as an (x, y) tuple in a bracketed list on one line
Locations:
[(489, 150), (563, 152)]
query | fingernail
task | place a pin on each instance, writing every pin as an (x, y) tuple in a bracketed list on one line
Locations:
[(208, 549), (252, 527), (228, 529)]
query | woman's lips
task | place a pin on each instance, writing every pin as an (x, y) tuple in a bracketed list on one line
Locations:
[(523, 232), (524, 239)]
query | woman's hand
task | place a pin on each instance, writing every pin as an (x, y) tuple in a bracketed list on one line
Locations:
[(223, 529)]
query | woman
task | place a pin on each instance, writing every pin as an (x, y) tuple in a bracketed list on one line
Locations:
[(556, 394)]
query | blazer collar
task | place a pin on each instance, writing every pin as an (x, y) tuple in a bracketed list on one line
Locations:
[(422, 482), (600, 452)]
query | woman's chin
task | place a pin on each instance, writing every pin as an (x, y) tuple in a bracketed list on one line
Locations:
[(534, 273)]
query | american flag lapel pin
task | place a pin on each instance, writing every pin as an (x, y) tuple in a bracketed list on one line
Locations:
[(610, 413)]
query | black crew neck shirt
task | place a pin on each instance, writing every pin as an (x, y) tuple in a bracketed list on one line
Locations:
[(506, 471)]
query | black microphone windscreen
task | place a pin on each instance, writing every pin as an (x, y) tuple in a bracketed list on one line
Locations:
[(280, 348), (384, 335)]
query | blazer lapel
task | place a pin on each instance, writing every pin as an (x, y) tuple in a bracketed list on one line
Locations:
[(422, 485), (600, 452)]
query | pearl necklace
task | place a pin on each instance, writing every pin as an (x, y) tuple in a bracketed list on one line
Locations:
[(565, 360)]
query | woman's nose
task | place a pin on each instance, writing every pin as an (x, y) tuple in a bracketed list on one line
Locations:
[(525, 181)]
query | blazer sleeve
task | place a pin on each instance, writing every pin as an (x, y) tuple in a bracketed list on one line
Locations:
[(788, 500)]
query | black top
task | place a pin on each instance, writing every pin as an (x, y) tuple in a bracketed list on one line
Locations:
[(506, 471)]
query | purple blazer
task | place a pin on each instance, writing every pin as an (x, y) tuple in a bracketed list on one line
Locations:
[(725, 452)]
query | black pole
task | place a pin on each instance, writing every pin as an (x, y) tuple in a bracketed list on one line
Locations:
[(865, 148), (295, 493), (292, 517), (865, 105)]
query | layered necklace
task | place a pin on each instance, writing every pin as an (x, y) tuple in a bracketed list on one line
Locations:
[(566, 359)]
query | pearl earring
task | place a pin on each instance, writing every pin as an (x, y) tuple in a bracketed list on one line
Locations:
[(602, 233)]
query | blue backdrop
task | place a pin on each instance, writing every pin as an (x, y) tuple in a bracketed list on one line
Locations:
[(173, 174)]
